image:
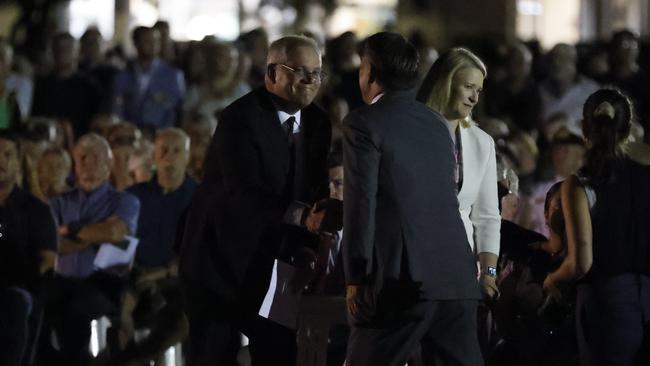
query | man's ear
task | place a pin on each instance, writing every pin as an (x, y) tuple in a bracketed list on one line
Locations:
[(372, 77), (270, 71)]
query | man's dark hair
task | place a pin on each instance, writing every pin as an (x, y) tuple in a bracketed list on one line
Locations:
[(138, 31), (393, 59), (62, 36)]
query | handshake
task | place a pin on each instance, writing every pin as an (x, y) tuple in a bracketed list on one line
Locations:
[(325, 216)]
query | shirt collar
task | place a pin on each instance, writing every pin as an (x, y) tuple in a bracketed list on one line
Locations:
[(376, 98), (97, 192), (283, 116), (154, 65)]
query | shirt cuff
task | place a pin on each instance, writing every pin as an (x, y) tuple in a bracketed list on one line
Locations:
[(295, 213)]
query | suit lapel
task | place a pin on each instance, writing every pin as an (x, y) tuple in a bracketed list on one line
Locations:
[(272, 131)]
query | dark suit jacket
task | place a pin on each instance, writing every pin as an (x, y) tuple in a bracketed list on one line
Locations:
[(401, 215), (234, 226)]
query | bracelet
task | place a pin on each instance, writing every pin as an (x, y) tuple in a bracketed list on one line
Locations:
[(490, 271)]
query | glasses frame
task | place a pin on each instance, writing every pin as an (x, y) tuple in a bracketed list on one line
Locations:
[(318, 75)]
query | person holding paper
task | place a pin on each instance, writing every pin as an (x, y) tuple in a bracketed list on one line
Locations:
[(88, 216), (410, 273), (267, 159)]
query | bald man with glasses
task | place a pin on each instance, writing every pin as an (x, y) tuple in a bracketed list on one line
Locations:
[(268, 155)]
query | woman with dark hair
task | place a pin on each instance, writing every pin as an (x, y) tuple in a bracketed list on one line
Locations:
[(607, 215), (452, 88)]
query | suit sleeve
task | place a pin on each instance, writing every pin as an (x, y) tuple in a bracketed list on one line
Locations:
[(361, 156), (485, 210)]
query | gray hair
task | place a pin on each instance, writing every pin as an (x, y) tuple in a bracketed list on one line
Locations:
[(175, 132), (91, 140), (280, 48)]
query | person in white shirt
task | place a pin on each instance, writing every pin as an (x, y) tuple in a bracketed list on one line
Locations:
[(452, 88)]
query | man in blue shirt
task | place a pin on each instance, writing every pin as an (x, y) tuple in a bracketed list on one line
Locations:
[(150, 91), (163, 201), (88, 216)]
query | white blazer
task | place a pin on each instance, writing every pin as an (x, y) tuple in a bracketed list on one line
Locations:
[(478, 198)]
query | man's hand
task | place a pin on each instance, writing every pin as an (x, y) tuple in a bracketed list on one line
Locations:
[(63, 230), (314, 220), (326, 215), (489, 287), (360, 302)]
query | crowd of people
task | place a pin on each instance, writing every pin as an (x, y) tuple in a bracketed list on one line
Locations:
[(498, 173)]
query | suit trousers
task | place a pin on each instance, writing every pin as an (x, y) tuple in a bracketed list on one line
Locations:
[(214, 335), (445, 329)]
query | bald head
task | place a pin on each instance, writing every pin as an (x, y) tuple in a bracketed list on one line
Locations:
[(171, 154), (280, 50)]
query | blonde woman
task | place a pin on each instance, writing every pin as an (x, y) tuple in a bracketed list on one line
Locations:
[(452, 88)]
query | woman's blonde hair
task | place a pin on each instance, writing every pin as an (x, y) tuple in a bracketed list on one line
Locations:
[(435, 90)]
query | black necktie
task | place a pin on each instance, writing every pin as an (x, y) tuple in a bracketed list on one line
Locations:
[(288, 128)]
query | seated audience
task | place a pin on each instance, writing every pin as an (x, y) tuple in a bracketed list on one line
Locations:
[(29, 242), (88, 216), (222, 83), (124, 139), (163, 200), (19, 85), (95, 65), (53, 171), (149, 91), (200, 129), (565, 90), (66, 93), (11, 114), (567, 151)]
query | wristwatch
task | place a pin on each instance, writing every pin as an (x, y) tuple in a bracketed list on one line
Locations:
[(490, 271)]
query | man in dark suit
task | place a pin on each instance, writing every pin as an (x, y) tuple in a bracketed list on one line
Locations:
[(410, 274), (268, 154)]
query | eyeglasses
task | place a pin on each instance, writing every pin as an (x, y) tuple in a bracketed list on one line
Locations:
[(300, 72)]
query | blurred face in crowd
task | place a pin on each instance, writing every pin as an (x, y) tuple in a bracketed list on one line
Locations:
[(562, 64), (9, 163), (222, 60), (567, 158), (53, 169), (141, 164), (92, 164), (299, 86), (171, 154), (147, 44), (124, 134), (5, 60), (336, 182), (626, 51), (64, 53), (91, 46), (519, 61), (466, 86)]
